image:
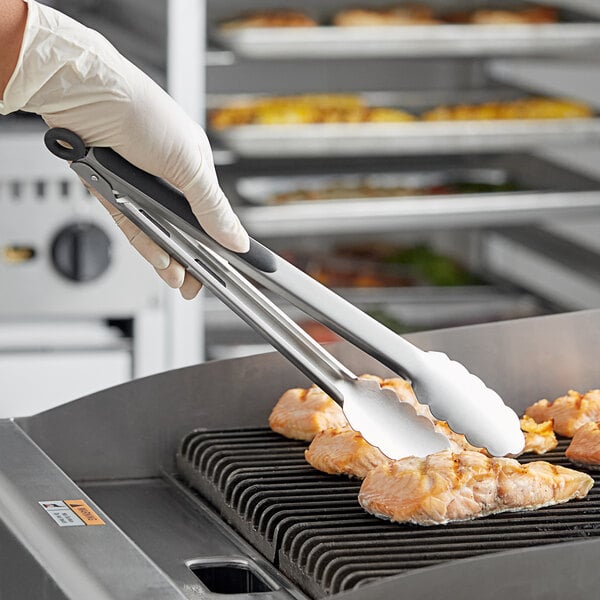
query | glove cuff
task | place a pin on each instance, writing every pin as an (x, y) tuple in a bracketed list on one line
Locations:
[(62, 64)]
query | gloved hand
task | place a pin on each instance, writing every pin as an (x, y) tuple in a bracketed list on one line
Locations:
[(75, 78)]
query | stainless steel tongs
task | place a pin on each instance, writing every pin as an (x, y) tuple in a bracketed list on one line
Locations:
[(453, 394)]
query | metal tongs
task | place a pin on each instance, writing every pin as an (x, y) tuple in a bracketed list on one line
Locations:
[(452, 393)]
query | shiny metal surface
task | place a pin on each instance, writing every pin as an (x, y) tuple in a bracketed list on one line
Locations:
[(132, 432), (175, 528), (409, 42), (263, 191), (95, 563), (546, 192), (562, 270), (413, 138), (394, 427)]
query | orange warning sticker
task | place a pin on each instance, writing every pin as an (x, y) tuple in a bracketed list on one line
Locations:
[(83, 510)]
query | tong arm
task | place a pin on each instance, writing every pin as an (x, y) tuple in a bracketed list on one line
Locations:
[(231, 288)]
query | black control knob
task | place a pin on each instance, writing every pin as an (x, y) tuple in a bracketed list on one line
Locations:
[(81, 252)]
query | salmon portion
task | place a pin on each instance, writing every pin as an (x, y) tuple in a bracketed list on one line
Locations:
[(343, 451), (568, 412), (403, 389), (404, 392), (584, 448), (302, 413), (446, 487), (539, 437), (458, 442)]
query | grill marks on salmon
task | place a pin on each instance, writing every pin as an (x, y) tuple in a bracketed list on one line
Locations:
[(539, 437), (568, 412), (584, 448), (446, 487), (456, 485), (343, 451)]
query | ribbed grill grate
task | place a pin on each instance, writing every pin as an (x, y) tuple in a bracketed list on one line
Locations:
[(311, 526)]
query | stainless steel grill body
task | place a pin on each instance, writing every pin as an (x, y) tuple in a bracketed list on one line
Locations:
[(116, 449)]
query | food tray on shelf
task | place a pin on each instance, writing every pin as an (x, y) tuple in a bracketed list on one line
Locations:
[(406, 138), (408, 286), (401, 309), (543, 191), (575, 31)]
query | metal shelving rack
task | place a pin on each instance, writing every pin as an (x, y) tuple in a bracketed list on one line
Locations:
[(199, 74), (460, 59)]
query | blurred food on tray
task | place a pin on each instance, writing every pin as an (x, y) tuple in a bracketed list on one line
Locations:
[(366, 190), (406, 14), (535, 15), (271, 18), (348, 108), (397, 15), (319, 332), (304, 109), (382, 265), (526, 108), (324, 335)]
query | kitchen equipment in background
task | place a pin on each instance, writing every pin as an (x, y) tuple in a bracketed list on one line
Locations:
[(116, 451), (79, 309), (201, 73)]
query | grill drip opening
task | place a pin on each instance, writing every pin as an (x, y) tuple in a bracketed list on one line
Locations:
[(229, 578)]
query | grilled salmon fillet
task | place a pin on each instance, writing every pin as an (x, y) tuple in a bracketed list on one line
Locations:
[(302, 413), (539, 437), (446, 487), (568, 412), (343, 451), (584, 448)]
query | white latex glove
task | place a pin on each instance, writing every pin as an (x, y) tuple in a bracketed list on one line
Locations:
[(75, 78)]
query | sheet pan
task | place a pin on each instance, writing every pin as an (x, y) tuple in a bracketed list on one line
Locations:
[(549, 192), (410, 41), (407, 138)]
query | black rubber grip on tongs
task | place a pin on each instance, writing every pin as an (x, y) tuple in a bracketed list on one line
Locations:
[(258, 256)]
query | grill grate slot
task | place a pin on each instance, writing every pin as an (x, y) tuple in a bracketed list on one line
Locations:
[(311, 526)]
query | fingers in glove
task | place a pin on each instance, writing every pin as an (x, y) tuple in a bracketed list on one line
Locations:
[(170, 271), (213, 211), (190, 288), (209, 203), (173, 275), (153, 253)]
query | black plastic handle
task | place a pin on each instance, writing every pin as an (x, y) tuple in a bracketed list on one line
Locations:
[(65, 144), (159, 190)]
